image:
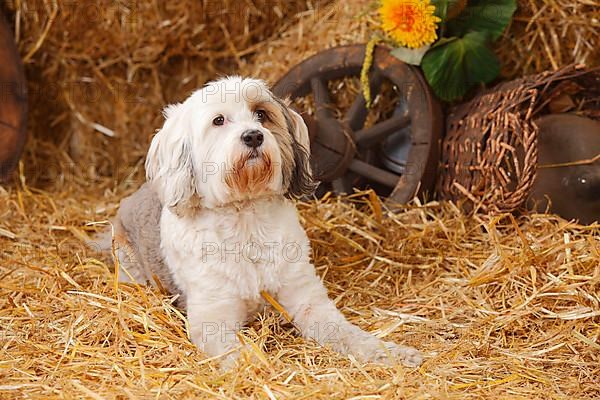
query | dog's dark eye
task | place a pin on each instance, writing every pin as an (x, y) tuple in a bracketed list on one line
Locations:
[(261, 115), (220, 120)]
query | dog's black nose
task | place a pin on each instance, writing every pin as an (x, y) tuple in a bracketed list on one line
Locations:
[(253, 138)]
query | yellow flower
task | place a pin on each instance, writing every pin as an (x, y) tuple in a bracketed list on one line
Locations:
[(411, 23)]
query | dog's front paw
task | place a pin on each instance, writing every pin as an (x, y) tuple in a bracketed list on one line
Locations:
[(409, 356), (389, 353), (228, 362)]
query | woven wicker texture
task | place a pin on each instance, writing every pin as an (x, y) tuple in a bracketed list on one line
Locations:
[(489, 155)]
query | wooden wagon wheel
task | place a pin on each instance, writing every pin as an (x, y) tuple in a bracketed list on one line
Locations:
[(13, 102), (344, 149)]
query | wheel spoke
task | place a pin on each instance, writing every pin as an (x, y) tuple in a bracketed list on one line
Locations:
[(357, 113), (322, 98), (375, 134), (374, 173), (331, 131)]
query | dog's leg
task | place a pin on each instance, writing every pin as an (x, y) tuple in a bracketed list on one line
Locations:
[(214, 322), (305, 298), (128, 256)]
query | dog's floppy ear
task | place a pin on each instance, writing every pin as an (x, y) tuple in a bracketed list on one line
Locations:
[(169, 165), (302, 182)]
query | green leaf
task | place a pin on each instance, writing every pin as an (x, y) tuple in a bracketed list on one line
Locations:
[(453, 68), (488, 16), (442, 7), (443, 41)]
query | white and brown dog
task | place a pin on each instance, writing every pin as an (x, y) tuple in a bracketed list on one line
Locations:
[(216, 224)]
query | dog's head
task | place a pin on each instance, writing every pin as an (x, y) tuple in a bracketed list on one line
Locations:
[(231, 140)]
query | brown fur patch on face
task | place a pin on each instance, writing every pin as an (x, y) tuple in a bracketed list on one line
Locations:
[(300, 181), (254, 177), (295, 158), (277, 123)]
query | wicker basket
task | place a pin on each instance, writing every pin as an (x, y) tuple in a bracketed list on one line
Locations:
[(489, 156)]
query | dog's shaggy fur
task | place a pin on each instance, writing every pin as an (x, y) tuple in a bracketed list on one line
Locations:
[(216, 224)]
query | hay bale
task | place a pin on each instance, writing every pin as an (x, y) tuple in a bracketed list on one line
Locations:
[(551, 34), (342, 23), (99, 72)]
